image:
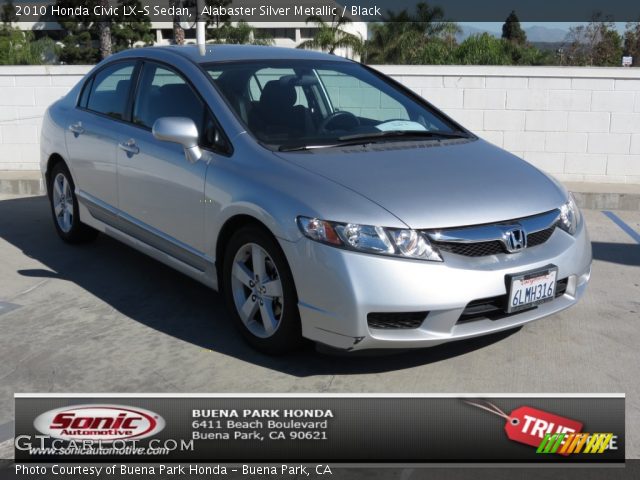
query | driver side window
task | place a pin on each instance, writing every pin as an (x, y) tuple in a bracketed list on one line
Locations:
[(351, 95), (164, 93)]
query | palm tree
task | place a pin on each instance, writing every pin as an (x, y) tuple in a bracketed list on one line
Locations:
[(178, 31), (104, 29), (401, 36), (331, 36), (241, 33)]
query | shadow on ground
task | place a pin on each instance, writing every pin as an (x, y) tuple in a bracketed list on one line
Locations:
[(150, 293), (621, 253)]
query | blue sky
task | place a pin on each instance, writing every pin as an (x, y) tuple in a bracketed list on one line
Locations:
[(497, 26)]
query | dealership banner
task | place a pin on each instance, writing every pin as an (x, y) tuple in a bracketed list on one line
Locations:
[(385, 429)]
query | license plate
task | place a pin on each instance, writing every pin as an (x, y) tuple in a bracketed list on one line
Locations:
[(526, 290)]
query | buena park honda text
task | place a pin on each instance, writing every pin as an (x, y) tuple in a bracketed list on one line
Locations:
[(325, 200)]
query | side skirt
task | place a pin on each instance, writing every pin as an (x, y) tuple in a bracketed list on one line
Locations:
[(147, 240)]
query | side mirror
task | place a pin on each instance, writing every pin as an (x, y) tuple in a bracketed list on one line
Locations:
[(179, 130)]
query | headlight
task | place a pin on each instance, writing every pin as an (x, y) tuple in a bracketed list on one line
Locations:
[(370, 239), (569, 216)]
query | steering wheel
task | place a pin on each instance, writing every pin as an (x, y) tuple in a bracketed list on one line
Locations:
[(339, 120)]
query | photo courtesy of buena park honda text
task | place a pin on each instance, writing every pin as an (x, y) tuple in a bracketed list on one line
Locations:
[(286, 239)]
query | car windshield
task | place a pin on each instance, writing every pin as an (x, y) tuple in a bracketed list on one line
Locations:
[(302, 104)]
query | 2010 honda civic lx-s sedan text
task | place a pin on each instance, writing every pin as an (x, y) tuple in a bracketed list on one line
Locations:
[(322, 198)]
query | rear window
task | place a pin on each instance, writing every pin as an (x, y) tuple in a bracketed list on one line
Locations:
[(110, 90)]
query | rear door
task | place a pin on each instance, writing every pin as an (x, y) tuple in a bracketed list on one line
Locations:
[(94, 128)]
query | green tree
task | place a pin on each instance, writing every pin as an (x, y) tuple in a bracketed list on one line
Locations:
[(331, 36), (241, 33), (217, 20), (8, 13), (632, 42), (19, 47), (130, 31), (595, 44), (402, 36), (437, 52), (483, 49), (512, 31), (80, 40)]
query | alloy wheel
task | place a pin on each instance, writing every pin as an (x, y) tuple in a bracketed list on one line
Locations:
[(63, 202), (257, 290)]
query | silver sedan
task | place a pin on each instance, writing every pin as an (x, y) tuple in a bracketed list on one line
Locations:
[(325, 200)]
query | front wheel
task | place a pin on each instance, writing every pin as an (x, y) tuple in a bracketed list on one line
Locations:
[(260, 292), (64, 207)]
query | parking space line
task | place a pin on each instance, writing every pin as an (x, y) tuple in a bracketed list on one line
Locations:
[(626, 228)]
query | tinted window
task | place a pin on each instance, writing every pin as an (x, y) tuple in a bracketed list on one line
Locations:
[(164, 93), (293, 103), (84, 98), (110, 90), (350, 94), (265, 75)]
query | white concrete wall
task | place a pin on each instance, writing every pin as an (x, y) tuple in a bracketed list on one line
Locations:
[(25, 93), (577, 123), (580, 124)]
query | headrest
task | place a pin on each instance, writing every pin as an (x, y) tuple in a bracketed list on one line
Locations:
[(175, 91), (121, 87), (277, 94)]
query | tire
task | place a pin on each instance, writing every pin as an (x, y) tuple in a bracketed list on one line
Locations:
[(266, 312), (64, 207)]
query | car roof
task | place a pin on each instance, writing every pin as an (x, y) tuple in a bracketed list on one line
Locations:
[(225, 53)]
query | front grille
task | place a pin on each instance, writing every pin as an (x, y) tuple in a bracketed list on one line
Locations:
[(495, 308), (494, 247), (396, 320), (479, 249), (538, 238)]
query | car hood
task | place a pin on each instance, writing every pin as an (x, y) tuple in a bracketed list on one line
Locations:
[(438, 184)]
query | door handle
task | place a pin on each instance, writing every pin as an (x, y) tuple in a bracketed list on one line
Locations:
[(129, 146), (76, 128)]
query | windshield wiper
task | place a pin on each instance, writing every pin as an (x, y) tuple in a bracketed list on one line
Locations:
[(403, 133), (297, 148), (362, 138)]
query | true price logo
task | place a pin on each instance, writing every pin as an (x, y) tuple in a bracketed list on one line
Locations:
[(529, 425), (106, 423)]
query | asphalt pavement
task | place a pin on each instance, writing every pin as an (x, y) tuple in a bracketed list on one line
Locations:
[(105, 318)]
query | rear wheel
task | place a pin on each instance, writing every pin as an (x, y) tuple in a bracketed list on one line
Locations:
[(64, 207), (260, 292)]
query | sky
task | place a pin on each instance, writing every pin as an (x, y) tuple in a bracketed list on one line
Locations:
[(497, 26)]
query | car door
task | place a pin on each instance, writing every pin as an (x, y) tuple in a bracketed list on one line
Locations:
[(94, 129), (160, 193)]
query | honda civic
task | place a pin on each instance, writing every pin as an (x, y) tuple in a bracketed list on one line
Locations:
[(324, 200)]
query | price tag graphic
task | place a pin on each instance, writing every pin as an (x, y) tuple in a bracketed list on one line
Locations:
[(529, 425)]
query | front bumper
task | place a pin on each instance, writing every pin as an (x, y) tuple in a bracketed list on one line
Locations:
[(337, 289)]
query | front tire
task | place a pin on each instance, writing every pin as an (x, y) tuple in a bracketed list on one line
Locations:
[(64, 207), (260, 292)]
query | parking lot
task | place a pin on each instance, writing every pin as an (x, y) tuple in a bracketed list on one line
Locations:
[(104, 318)]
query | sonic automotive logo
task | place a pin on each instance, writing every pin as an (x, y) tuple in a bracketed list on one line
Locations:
[(106, 423)]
